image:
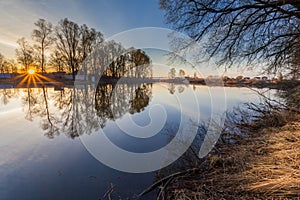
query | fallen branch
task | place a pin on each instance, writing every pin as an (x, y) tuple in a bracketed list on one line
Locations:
[(166, 179)]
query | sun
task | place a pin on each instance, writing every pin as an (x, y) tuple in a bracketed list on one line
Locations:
[(31, 71)]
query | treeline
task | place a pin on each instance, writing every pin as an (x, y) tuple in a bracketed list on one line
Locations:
[(66, 45)]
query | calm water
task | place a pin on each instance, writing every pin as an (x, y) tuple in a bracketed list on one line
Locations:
[(42, 132)]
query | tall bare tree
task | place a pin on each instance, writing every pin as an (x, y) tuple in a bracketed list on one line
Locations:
[(42, 36), (240, 31), (89, 38), (67, 43), (25, 54), (76, 42)]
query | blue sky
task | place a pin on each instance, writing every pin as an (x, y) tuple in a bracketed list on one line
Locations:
[(108, 16)]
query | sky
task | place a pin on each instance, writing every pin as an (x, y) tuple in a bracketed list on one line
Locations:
[(108, 16)]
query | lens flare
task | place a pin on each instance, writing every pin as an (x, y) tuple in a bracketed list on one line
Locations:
[(31, 71)]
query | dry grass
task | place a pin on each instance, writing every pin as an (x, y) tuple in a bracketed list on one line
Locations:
[(264, 165), (275, 169)]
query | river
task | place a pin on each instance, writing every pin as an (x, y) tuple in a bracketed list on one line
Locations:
[(51, 146)]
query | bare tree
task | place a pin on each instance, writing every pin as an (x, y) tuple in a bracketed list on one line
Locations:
[(89, 38), (75, 42), (294, 65), (67, 43), (172, 73), (12, 66), (181, 73), (25, 54), (252, 32), (141, 61), (57, 61), (42, 36), (111, 53)]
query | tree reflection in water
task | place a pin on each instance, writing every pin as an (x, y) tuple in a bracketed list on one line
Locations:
[(75, 111), (36, 103), (112, 101), (141, 99), (6, 95)]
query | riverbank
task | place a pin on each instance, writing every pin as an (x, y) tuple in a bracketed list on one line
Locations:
[(263, 165), (50, 80)]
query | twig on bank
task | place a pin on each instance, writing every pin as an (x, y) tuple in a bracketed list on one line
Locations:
[(109, 192), (166, 179)]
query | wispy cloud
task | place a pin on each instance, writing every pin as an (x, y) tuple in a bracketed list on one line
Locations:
[(8, 44)]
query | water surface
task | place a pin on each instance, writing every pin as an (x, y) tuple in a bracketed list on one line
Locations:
[(42, 154)]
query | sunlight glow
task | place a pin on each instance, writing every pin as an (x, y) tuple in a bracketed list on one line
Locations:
[(31, 71), (33, 79)]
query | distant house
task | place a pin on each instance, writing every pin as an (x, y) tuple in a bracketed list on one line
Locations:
[(257, 78), (225, 78), (239, 78), (246, 78)]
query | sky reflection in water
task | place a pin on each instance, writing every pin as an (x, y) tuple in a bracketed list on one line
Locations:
[(32, 166)]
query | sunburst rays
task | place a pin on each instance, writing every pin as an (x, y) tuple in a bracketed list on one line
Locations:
[(32, 79)]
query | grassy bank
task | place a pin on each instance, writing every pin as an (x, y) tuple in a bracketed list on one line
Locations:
[(263, 165)]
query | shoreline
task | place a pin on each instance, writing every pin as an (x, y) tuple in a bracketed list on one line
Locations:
[(264, 164), (12, 83)]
